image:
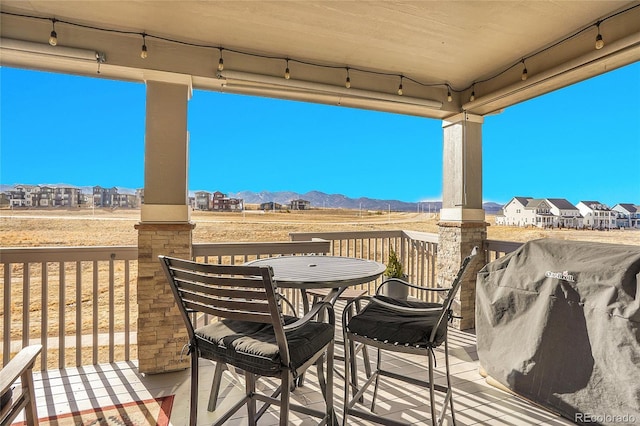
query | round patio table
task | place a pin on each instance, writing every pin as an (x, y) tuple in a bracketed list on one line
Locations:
[(309, 272)]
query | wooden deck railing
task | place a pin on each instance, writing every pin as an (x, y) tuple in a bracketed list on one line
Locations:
[(79, 302), (71, 300), (416, 250)]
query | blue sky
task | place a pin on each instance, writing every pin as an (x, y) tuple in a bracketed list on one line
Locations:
[(578, 143)]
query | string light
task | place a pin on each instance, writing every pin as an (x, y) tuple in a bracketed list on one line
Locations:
[(143, 51), (400, 87), (599, 44), (220, 61), (53, 38), (287, 73), (599, 40)]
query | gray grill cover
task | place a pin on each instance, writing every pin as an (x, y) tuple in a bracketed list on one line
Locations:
[(558, 322)]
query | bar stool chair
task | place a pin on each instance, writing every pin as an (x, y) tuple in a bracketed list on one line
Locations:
[(401, 326), (348, 295)]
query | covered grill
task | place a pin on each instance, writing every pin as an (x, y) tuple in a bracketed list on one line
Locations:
[(558, 322)]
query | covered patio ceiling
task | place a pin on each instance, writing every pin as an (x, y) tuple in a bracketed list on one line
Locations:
[(432, 48)]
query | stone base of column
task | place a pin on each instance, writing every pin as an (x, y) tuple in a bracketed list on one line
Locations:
[(456, 240), (161, 330)]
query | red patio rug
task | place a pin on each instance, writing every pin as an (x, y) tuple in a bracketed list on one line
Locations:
[(150, 412)]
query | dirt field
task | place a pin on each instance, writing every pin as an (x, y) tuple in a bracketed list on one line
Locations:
[(38, 228)]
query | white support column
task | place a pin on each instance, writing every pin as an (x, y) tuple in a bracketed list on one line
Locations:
[(462, 169), (166, 153), (462, 222)]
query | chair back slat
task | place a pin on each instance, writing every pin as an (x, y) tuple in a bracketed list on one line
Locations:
[(260, 317), (227, 304), (210, 268), (216, 278), (254, 294)]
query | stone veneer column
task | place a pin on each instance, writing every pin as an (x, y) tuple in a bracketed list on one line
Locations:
[(165, 227), (456, 240), (161, 330), (462, 223)]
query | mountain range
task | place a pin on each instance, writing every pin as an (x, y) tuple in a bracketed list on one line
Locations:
[(316, 198), (321, 199)]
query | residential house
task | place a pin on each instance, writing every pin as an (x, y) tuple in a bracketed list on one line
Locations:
[(17, 198), (25, 196), (628, 215), (65, 196), (271, 205), (300, 204), (46, 196), (126, 200), (516, 213), (540, 212), (565, 214), (105, 197), (221, 202), (597, 215), (202, 200)]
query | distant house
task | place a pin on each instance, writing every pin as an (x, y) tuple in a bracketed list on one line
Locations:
[(126, 200), (517, 213), (222, 203), (104, 197), (597, 215), (540, 212), (300, 205), (565, 214), (25, 196), (202, 200), (44, 196), (271, 205), (628, 215), (67, 196)]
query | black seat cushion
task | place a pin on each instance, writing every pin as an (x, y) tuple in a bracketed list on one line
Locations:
[(383, 324), (252, 346)]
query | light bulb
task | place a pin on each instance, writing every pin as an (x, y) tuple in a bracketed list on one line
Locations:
[(347, 82), (220, 61), (400, 87), (599, 41), (524, 74), (473, 96), (287, 73), (53, 38), (449, 97), (143, 51)]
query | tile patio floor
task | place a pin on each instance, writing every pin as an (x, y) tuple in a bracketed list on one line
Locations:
[(476, 402)]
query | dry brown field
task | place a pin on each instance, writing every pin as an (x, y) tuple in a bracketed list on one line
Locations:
[(103, 227)]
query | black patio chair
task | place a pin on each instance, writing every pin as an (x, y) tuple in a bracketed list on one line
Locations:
[(403, 326), (252, 334)]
